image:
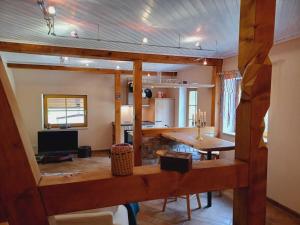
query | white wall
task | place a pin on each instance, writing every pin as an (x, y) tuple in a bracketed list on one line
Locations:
[(31, 84), (284, 123), (202, 75)]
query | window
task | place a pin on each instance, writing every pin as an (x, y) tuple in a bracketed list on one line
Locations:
[(192, 105), (230, 100), (65, 110)]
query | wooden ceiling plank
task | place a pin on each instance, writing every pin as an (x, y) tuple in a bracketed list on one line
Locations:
[(103, 54), (96, 189)]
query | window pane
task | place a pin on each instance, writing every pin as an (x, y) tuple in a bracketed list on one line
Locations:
[(190, 123), (193, 98), (57, 116), (56, 103), (75, 103), (192, 111), (75, 116)]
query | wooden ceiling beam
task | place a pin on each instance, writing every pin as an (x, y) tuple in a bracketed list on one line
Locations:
[(103, 54), (84, 69)]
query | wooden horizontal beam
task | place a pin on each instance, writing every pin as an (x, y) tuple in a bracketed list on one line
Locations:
[(152, 132), (84, 69), (90, 190), (103, 54)]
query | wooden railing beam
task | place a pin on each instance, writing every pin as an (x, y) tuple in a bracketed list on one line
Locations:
[(89, 190)]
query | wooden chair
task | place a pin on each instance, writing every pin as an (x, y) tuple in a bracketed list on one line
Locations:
[(160, 153), (188, 205)]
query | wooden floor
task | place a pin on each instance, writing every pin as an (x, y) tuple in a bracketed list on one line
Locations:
[(219, 214), (151, 211)]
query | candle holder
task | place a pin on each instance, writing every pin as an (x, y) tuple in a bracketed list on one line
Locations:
[(198, 125)]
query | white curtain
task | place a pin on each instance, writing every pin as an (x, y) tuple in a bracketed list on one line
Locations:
[(229, 100)]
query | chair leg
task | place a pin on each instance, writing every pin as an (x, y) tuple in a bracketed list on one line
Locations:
[(198, 200), (165, 203), (188, 207)]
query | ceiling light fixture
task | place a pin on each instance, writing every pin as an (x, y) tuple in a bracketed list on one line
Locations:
[(197, 44), (49, 14), (148, 74), (74, 34), (51, 10), (117, 67), (145, 40), (205, 62)]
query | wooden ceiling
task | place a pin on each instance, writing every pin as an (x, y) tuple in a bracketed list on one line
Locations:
[(161, 22)]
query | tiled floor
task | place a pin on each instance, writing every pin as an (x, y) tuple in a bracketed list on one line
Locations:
[(219, 214)]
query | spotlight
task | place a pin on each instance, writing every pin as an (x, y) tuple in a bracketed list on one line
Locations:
[(148, 74), (205, 62), (74, 34), (197, 44), (117, 67), (145, 40), (51, 10)]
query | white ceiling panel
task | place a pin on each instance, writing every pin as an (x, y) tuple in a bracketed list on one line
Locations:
[(164, 22)]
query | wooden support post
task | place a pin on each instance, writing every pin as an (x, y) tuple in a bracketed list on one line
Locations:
[(19, 173), (3, 216), (256, 39), (137, 126), (117, 107), (216, 100)]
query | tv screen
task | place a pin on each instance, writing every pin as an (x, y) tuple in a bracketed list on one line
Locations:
[(57, 141)]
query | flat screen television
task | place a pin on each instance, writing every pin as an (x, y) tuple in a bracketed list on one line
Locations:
[(57, 141)]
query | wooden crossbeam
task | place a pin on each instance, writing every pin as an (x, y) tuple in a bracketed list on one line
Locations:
[(103, 54), (152, 132), (100, 189), (257, 23), (85, 69)]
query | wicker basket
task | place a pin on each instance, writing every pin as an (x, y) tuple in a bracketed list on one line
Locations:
[(122, 159)]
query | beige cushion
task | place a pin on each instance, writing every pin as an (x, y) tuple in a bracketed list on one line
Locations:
[(116, 215)]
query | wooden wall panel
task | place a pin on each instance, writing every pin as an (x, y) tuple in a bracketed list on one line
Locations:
[(256, 39), (19, 173)]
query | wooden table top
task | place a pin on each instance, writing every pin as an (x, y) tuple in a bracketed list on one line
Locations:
[(207, 144)]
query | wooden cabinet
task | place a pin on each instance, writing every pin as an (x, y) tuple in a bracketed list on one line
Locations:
[(163, 110)]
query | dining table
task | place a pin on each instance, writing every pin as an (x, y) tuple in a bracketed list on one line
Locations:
[(207, 144)]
